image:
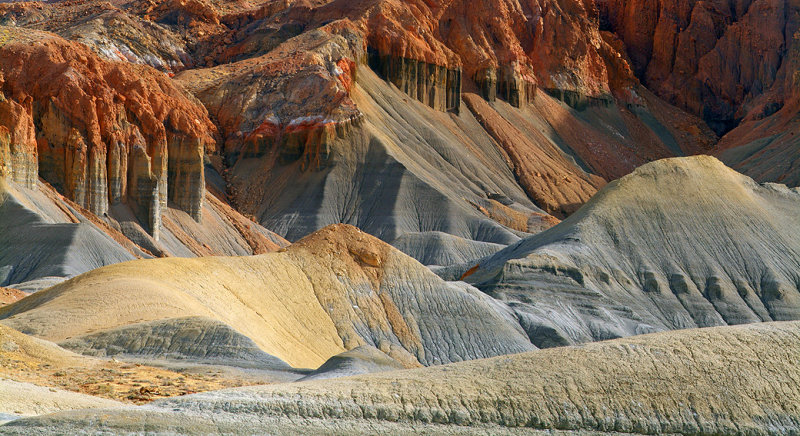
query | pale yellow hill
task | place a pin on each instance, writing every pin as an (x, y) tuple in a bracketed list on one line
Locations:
[(333, 291), (267, 298)]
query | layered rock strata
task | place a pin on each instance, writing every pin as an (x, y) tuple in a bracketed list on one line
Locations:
[(105, 132), (437, 86), (18, 153), (288, 105)]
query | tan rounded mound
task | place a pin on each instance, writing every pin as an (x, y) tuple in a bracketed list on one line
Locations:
[(727, 380), (266, 298), (335, 290)]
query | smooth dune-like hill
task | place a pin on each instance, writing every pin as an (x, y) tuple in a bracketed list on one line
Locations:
[(333, 291), (679, 243), (725, 380)]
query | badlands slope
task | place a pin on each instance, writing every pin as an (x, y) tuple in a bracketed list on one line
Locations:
[(670, 246), (45, 238), (333, 291), (37, 377), (725, 380), (679, 243)]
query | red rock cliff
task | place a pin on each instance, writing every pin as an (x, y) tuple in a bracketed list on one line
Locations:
[(105, 132), (713, 58)]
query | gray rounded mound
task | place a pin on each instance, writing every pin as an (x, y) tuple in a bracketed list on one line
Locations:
[(195, 339)]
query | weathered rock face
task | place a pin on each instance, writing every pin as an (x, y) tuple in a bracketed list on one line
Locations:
[(105, 132), (284, 79), (556, 184), (506, 48), (46, 238), (17, 142), (434, 85), (766, 148), (118, 31), (712, 58), (290, 103)]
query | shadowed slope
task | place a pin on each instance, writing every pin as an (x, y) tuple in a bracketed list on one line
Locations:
[(45, 237)]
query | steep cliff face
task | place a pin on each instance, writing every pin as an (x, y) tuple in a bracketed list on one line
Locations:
[(105, 132), (503, 48), (713, 58), (17, 142), (290, 103), (290, 87)]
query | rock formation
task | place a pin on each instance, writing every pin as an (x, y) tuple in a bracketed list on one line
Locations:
[(18, 153), (713, 58), (46, 238), (105, 132), (290, 86), (506, 144), (766, 149), (348, 289)]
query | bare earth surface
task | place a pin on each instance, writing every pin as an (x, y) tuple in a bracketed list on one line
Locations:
[(726, 380)]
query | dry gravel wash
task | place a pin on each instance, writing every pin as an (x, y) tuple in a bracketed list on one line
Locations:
[(722, 380)]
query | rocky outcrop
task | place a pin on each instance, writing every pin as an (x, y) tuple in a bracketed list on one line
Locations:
[(46, 238), (713, 58), (506, 83), (289, 104), (119, 32), (437, 86), (107, 132), (18, 154)]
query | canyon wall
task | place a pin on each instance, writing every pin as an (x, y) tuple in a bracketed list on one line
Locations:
[(102, 132), (712, 58), (18, 156)]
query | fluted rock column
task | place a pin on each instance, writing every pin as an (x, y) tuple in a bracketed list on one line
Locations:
[(435, 85)]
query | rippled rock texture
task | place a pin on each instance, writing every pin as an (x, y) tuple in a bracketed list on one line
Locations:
[(678, 243)]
